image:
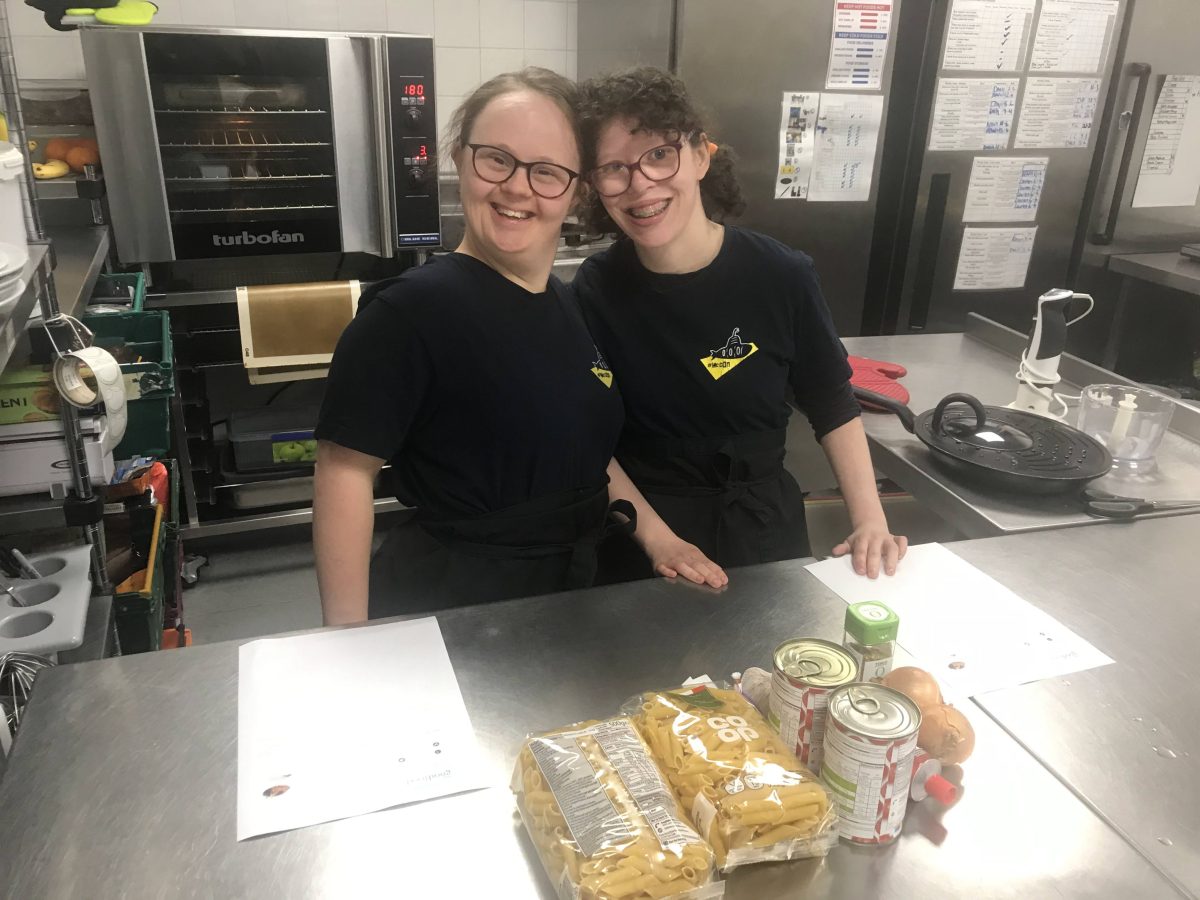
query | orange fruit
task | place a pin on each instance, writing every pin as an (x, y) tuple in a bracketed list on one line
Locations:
[(56, 148), (78, 157)]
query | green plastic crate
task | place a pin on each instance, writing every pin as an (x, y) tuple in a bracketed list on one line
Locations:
[(144, 334), (120, 288)]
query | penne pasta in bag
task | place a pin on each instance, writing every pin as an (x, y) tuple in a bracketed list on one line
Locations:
[(603, 819), (747, 794)]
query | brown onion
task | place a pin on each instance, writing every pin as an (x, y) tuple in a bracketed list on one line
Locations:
[(916, 684), (946, 734)]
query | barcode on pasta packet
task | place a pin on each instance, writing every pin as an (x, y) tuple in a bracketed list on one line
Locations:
[(627, 753)]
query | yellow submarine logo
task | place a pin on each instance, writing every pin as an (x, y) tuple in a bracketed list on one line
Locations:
[(601, 369), (723, 360)]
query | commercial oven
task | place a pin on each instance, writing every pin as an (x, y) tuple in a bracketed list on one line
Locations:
[(225, 143)]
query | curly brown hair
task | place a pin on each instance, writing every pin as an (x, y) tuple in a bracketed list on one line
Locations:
[(654, 100)]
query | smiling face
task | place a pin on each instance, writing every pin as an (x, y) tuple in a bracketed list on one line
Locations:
[(654, 214), (509, 220)]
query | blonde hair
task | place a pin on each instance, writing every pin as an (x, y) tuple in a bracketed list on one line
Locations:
[(561, 90)]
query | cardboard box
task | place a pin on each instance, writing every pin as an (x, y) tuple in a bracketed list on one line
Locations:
[(34, 456), (28, 395)]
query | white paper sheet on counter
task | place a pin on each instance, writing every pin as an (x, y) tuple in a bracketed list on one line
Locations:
[(971, 632), (340, 723)]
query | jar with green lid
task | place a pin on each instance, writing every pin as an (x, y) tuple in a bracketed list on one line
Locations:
[(870, 638)]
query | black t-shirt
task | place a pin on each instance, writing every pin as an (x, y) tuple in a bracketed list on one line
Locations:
[(481, 394), (711, 353)]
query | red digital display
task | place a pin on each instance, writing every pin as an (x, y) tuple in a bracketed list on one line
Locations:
[(414, 90)]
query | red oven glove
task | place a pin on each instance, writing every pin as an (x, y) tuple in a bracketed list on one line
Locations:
[(879, 377)]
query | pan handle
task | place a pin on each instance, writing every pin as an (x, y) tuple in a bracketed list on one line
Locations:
[(906, 416), (940, 409)]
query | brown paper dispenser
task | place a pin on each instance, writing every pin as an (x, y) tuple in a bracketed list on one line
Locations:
[(289, 331)]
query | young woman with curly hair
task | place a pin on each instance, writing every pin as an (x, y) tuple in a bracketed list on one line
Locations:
[(707, 326)]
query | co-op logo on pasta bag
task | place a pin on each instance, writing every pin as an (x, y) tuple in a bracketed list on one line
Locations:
[(732, 728)]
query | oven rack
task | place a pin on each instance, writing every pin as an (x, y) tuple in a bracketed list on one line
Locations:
[(244, 173), (240, 139), (274, 207), (243, 110)]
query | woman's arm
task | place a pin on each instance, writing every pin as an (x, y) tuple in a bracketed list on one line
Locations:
[(669, 554), (870, 542), (343, 524)]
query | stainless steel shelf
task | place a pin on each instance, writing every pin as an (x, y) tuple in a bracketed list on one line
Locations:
[(64, 188), (79, 256), (12, 329), (243, 524)]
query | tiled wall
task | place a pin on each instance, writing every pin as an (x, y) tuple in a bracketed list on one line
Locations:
[(475, 39)]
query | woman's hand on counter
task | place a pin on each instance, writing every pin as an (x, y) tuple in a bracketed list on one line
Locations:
[(671, 556), (872, 548)]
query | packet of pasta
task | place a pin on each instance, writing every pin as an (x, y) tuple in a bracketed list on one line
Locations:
[(748, 795), (603, 819)]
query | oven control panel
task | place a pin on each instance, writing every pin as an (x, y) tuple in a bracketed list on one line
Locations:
[(414, 142)]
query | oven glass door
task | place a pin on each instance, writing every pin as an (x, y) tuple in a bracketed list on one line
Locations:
[(245, 134)]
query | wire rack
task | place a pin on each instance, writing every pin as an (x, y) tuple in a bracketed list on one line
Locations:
[(247, 172), (240, 139), (243, 111), (249, 208)]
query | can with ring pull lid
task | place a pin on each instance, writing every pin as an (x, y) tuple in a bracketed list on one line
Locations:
[(870, 740), (806, 671)]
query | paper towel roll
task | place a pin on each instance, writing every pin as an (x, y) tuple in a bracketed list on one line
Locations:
[(75, 390)]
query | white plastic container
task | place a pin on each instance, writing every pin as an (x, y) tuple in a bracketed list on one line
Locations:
[(12, 218)]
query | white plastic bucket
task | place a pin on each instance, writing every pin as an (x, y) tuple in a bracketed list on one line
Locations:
[(12, 217)]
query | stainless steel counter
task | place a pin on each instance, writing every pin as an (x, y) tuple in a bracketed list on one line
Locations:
[(122, 780), (983, 362), (1125, 737), (1172, 270)]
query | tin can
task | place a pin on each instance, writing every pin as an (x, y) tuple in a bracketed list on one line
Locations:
[(869, 744), (806, 671)]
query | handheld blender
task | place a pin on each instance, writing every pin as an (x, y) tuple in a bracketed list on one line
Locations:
[(1038, 372)]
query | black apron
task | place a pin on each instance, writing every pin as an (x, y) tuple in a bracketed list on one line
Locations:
[(729, 496), (537, 547)]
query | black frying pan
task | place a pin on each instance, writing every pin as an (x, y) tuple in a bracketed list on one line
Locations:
[(999, 447)]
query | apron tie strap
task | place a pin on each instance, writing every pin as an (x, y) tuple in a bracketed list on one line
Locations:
[(581, 570)]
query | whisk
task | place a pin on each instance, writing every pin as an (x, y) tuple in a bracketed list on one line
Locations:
[(17, 672)]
